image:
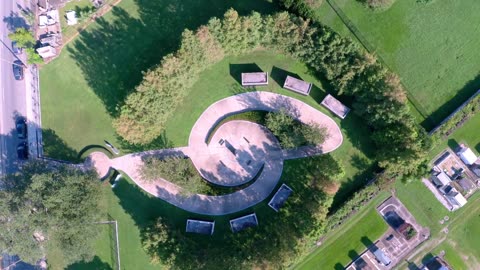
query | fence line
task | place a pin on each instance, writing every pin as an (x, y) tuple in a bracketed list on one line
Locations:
[(454, 112), (117, 242), (371, 49)]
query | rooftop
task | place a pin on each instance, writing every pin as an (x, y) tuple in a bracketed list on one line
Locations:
[(254, 78), (467, 156), (297, 85), (280, 197), (335, 106), (242, 223), (200, 226)]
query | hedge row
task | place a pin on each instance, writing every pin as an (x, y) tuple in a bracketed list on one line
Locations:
[(458, 118), (352, 206)]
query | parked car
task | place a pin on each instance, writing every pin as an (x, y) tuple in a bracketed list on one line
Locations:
[(15, 48), (21, 126), (18, 70), (22, 151)]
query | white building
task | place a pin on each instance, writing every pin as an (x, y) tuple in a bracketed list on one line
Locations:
[(467, 156)]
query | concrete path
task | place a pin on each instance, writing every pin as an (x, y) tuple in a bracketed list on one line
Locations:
[(238, 152)]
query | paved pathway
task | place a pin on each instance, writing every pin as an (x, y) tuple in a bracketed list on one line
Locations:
[(237, 152)]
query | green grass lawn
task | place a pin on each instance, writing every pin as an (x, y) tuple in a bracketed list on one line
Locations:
[(134, 209), (69, 31), (423, 205), (349, 240), (432, 47), (467, 134), (220, 81), (82, 89)]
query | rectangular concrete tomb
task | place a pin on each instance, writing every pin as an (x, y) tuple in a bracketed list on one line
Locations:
[(335, 106), (296, 85), (241, 223), (200, 226), (280, 197), (254, 78)]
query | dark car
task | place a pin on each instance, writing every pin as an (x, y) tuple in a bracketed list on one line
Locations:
[(15, 48), (18, 70), (22, 151), (21, 126)]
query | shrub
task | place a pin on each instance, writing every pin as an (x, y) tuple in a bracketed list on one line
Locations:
[(292, 133), (458, 118), (179, 171), (378, 4), (378, 95)]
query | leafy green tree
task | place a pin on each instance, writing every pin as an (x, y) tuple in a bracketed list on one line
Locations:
[(292, 133), (176, 170), (25, 39), (49, 209)]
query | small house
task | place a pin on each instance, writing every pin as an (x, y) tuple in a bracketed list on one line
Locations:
[(47, 52), (467, 156), (455, 198), (441, 179), (382, 257)]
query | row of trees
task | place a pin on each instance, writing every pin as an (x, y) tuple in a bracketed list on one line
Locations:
[(378, 95), (44, 210)]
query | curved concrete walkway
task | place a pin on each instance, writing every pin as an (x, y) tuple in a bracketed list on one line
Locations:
[(248, 150)]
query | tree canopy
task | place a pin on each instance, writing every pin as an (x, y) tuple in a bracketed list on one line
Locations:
[(377, 94), (45, 209), (25, 39), (292, 133)]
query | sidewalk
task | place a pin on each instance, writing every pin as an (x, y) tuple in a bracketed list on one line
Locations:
[(34, 119)]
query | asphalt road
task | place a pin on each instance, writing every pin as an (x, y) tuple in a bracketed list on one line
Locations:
[(12, 93)]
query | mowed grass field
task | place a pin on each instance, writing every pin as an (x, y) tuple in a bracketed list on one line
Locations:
[(432, 47), (349, 240), (83, 88), (221, 81)]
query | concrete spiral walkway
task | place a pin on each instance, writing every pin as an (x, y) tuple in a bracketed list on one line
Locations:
[(237, 152)]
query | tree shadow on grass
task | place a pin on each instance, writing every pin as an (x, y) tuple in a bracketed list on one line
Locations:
[(96, 264), (113, 54), (55, 147), (446, 109)]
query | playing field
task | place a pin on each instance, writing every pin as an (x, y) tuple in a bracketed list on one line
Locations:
[(432, 47)]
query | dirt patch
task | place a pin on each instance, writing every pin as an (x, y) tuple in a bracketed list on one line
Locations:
[(331, 188)]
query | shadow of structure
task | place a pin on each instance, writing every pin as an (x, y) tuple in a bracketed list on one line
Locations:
[(96, 264), (446, 109), (367, 242), (236, 70), (279, 75), (478, 147), (338, 266), (453, 144), (114, 54)]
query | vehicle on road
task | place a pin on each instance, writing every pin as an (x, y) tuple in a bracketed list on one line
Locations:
[(18, 70), (21, 126), (16, 50), (22, 151)]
